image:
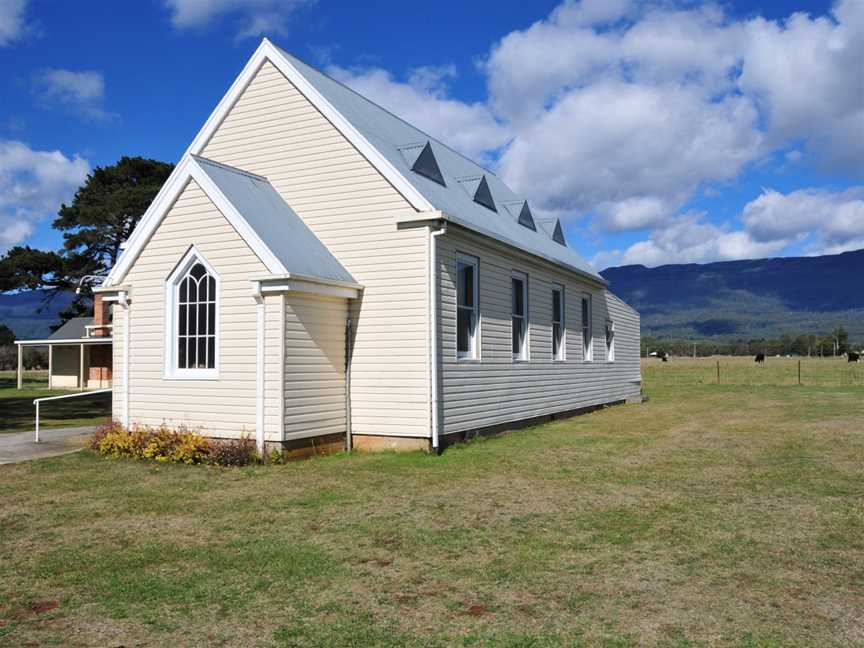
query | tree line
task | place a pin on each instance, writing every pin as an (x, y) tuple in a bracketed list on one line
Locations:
[(834, 343)]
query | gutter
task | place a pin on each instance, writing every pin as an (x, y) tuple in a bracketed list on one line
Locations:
[(433, 328), (289, 276), (425, 218)]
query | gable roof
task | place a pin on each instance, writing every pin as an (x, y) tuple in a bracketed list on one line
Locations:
[(73, 329), (274, 231), (287, 236), (385, 140), (389, 134)]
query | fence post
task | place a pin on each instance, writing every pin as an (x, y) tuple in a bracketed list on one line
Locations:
[(799, 372), (718, 372), (37, 421)]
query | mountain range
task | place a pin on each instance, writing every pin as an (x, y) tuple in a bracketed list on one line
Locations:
[(728, 299), (31, 313), (746, 299)]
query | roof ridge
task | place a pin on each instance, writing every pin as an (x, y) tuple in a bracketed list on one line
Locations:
[(228, 167), (380, 107)]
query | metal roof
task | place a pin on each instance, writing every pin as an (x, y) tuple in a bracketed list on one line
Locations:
[(275, 223), (391, 136), (74, 329)]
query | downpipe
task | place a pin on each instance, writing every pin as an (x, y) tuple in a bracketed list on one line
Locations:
[(349, 347), (259, 367), (433, 330)]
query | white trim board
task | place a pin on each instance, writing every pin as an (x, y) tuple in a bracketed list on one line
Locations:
[(71, 342), (268, 52), (187, 170)]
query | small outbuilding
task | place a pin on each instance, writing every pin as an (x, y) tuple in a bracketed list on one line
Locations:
[(79, 352)]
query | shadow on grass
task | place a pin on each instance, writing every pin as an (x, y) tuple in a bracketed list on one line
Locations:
[(18, 413)]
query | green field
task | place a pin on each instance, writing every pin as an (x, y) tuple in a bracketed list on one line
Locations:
[(17, 411), (824, 372), (729, 515)]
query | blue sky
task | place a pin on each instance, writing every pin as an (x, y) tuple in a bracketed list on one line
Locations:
[(657, 132)]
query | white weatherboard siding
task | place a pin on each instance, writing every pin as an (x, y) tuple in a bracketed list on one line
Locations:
[(314, 366), (274, 131), (494, 389), (225, 407)]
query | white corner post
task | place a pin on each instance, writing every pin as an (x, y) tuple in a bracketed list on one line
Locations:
[(433, 328), (20, 366), (81, 367), (123, 300), (50, 366), (259, 366)]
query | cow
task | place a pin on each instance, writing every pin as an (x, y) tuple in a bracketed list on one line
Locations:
[(664, 356), (760, 359), (853, 357)]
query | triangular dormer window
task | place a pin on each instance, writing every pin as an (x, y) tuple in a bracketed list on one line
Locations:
[(526, 219), (427, 166), (558, 234), (483, 196)]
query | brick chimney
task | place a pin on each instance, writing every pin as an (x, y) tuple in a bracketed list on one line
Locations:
[(101, 316)]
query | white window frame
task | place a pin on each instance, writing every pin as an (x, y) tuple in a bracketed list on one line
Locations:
[(587, 329), (525, 355), (474, 352), (561, 356), (172, 283), (610, 344)]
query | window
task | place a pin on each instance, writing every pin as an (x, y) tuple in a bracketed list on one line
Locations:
[(610, 340), (466, 308), (192, 320), (587, 344), (519, 317), (558, 323)]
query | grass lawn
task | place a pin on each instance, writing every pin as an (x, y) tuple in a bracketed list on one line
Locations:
[(728, 515), (17, 411)]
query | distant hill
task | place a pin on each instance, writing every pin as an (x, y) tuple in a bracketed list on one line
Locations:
[(30, 315), (758, 298)]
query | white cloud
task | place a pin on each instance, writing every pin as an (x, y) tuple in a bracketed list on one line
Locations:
[(615, 142), (806, 76), (832, 221), (13, 25), (690, 239), (618, 108), (256, 17), (824, 222), (424, 101), (633, 213), (81, 92), (33, 185)]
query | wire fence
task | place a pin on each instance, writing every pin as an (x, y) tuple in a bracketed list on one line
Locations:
[(727, 370)]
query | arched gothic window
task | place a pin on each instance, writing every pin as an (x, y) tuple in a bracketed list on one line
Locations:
[(192, 305)]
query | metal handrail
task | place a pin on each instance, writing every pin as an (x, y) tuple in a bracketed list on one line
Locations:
[(37, 401)]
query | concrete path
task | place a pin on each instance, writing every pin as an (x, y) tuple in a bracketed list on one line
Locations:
[(19, 446)]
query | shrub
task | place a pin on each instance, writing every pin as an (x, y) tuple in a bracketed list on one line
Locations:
[(181, 445), (120, 442), (233, 452), (176, 446), (101, 432), (160, 444)]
